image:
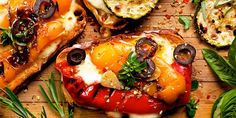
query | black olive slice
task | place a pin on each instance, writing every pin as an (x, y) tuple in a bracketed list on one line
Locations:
[(44, 8), (23, 30), (1, 69), (149, 70), (76, 56), (145, 47), (184, 54), (20, 57)]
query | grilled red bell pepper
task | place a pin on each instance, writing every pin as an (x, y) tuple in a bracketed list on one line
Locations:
[(124, 101)]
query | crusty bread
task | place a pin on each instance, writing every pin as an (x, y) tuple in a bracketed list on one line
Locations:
[(52, 34)]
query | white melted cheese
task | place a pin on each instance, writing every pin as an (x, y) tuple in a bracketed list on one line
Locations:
[(3, 2), (50, 50), (69, 18), (88, 71), (99, 4)]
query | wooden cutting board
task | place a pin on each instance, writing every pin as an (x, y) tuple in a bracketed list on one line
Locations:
[(164, 16)]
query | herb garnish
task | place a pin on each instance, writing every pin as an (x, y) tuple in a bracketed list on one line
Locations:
[(130, 69), (225, 105), (196, 2), (194, 85), (53, 96), (185, 21), (191, 108), (6, 37), (14, 104), (225, 70)]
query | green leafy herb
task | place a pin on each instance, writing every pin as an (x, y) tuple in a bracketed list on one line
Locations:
[(232, 54), (6, 38), (203, 9), (191, 108), (54, 97), (14, 104), (130, 69), (185, 21), (194, 85), (43, 113), (225, 105), (196, 2), (223, 2), (221, 67)]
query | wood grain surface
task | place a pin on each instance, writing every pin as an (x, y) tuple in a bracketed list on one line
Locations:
[(209, 89)]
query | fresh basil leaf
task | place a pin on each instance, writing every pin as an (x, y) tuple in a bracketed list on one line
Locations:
[(196, 2), (220, 66), (130, 69), (225, 105), (232, 54), (194, 85), (185, 21), (191, 108)]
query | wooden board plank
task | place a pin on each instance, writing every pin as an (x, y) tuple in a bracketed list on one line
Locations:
[(210, 87)]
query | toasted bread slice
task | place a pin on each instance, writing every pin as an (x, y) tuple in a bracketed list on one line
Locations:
[(52, 34)]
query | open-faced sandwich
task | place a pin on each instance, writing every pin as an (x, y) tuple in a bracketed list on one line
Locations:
[(114, 14), (31, 32), (142, 73), (216, 21)]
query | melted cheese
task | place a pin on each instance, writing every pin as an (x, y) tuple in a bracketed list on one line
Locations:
[(99, 4), (88, 71), (3, 2), (69, 18)]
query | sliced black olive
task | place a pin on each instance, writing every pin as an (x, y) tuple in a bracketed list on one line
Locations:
[(149, 70), (23, 30), (76, 56), (44, 8), (1, 69), (20, 57), (184, 54), (145, 47)]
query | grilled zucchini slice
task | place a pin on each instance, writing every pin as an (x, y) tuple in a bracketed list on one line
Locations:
[(216, 21), (133, 9)]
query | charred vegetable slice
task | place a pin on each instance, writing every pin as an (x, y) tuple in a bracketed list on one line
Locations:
[(184, 54), (133, 9), (76, 56), (44, 8), (216, 22)]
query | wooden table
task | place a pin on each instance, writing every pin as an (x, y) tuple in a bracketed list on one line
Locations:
[(164, 16)]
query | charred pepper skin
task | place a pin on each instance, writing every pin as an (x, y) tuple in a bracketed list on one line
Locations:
[(124, 101)]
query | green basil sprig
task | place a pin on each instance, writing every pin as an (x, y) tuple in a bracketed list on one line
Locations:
[(185, 21), (220, 66), (225, 105)]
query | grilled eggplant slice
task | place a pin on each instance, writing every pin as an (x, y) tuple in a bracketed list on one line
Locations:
[(216, 21), (104, 16), (133, 9)]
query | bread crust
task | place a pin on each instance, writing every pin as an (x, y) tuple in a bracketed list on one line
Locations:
[(23, 72)]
